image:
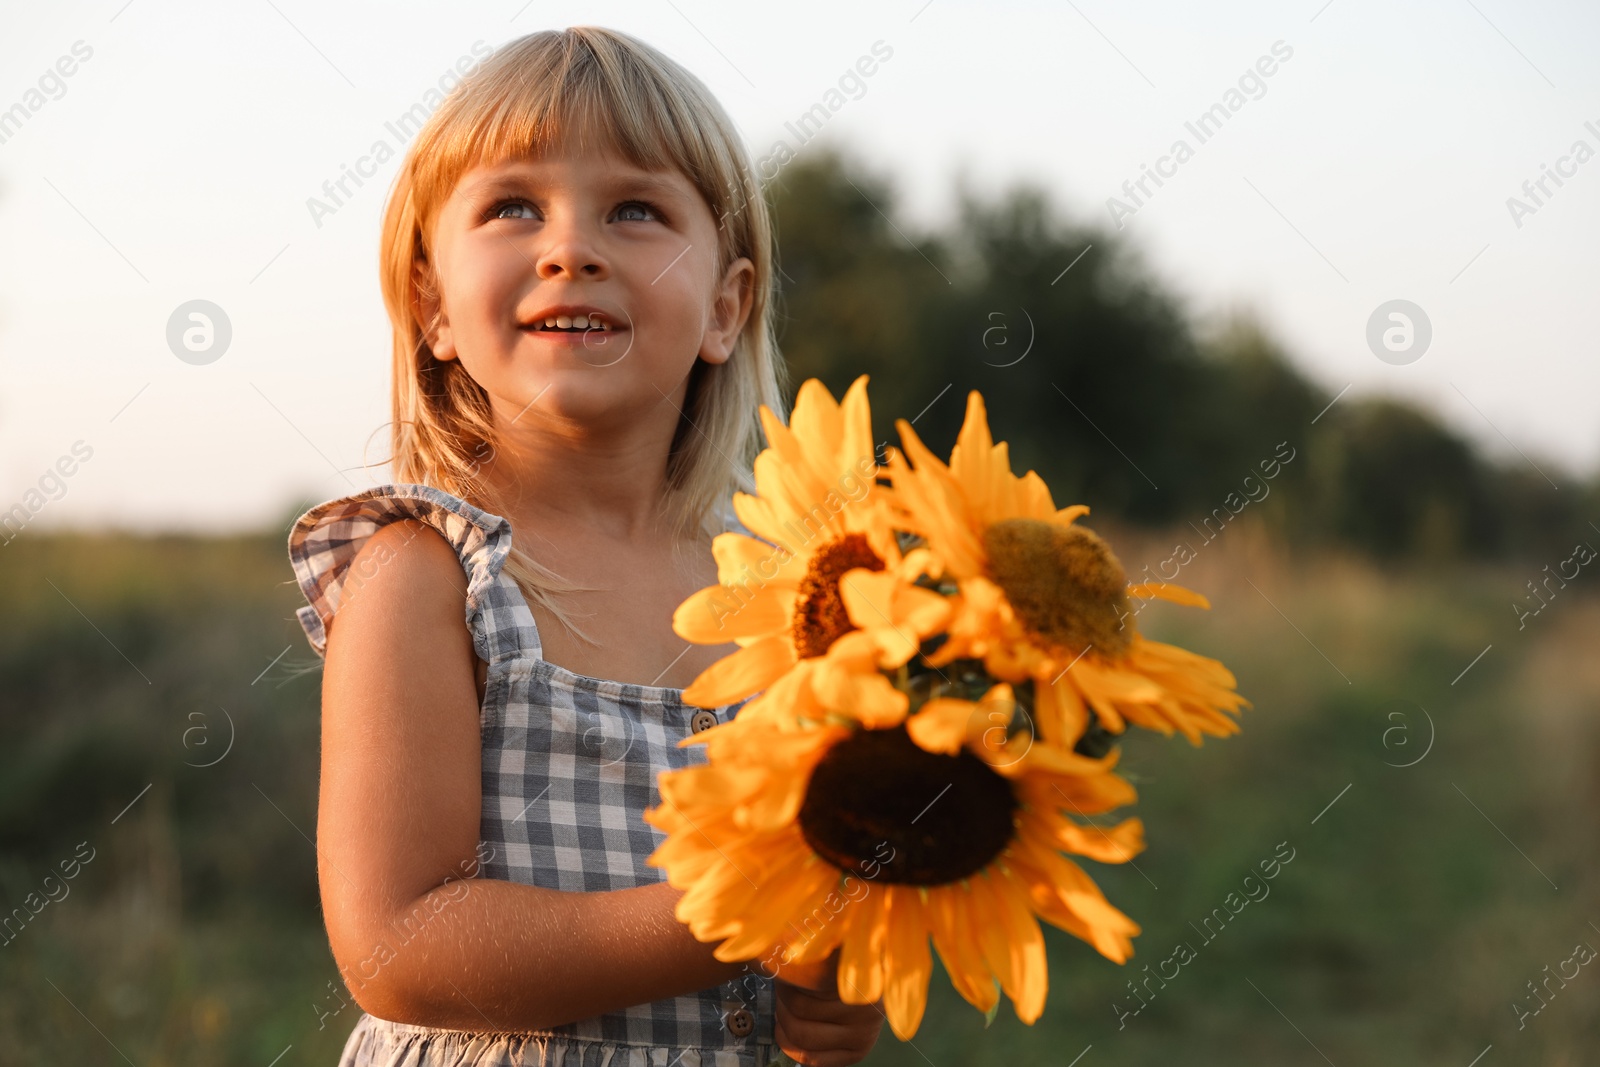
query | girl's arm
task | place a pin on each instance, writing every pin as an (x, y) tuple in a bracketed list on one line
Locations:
[(398, 815)]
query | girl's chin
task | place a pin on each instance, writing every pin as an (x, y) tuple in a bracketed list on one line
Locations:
[(576, 394)]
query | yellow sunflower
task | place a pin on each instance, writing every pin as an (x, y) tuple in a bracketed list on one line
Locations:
[(792, 842), (833, 568), (1044, 599)]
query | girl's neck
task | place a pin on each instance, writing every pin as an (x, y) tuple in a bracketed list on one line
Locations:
[(609, 489)]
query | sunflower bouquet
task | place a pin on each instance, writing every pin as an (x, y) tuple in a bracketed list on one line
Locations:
[(944, 662)]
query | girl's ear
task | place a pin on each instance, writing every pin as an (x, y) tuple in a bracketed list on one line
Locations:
[(730, 308), (427, 306)]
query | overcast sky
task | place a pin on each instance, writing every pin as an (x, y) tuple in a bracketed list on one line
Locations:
[(1374, 163)]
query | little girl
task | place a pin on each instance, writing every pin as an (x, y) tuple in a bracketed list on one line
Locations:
[(576, 259)]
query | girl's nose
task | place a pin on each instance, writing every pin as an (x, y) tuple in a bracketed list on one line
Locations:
[(570, 248)]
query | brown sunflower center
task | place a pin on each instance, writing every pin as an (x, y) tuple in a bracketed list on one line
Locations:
[(925, 818), (819, 615), (1063, 582)]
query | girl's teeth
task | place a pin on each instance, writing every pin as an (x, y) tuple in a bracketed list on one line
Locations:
[(579, 322)]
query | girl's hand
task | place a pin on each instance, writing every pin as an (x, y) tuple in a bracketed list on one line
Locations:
[(812, 1025)]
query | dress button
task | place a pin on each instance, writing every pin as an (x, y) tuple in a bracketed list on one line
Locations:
[(703, 720), (740, 1022)]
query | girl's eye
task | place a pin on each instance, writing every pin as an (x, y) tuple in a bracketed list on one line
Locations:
[(624, 211), (497, 210)]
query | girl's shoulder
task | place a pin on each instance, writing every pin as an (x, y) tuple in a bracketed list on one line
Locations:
[(325, 540)]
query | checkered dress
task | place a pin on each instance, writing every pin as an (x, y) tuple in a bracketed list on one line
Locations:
[(569, 767)]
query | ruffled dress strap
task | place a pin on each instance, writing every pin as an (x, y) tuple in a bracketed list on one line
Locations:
[(325, 540)]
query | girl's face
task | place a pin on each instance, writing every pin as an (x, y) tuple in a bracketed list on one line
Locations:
[(568, 237)]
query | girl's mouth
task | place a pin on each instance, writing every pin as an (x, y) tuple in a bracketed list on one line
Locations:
[(581, 324)]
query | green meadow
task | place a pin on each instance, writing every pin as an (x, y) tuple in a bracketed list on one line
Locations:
[(1405, 928)]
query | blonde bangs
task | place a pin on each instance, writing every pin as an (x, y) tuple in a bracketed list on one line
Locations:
[(584, 88), (563, 92)]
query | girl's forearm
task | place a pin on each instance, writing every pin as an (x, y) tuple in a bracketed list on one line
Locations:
[(479, 954)]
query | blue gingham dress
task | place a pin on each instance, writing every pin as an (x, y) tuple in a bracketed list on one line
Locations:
[(569, 767)]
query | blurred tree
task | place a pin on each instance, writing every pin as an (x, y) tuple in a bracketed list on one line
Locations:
[(847, 282), (1395, 482), (1094, 375)]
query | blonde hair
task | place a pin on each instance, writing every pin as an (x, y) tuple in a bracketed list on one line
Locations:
[(521, 102)]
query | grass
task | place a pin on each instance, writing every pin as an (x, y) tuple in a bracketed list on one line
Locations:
[(1415, 910)]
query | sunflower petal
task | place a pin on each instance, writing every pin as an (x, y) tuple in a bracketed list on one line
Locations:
[(868, 596), (772, 918), (815, 418), (1085, 794), (1050, 907), (821, 927), (942, 725), (1108, 844), (935, 502), (989, 932), (909, 963), (864, 695), (1167, 591), (714, 903), (1060, 711), (952, 938), (742, 559), (747, 671), (760, 518), (860, 974), (719, 614), (884, 599), (855, 440), (1092, 917), (775, 806), (793, 492), (923, 611), (1029, 974), (972, 460)]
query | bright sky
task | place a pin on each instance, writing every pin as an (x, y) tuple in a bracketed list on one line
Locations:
[(1373, 164)]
